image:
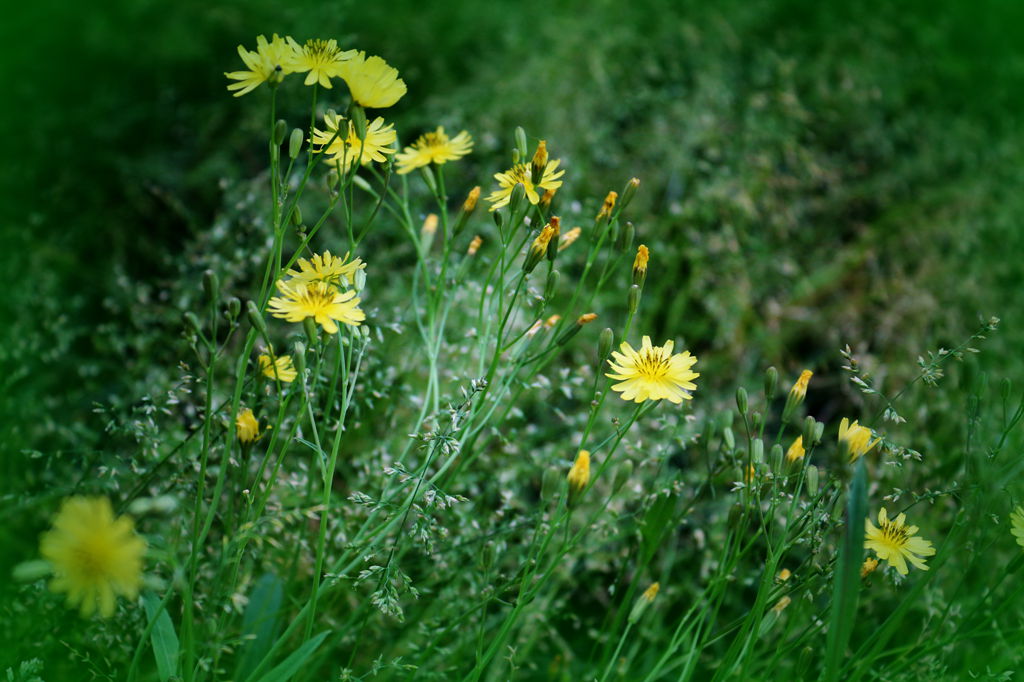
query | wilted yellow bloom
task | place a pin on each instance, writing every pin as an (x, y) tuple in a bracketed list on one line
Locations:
[(545, 199), (475, 245), (579, 474), (320, 60), (539, 248), (784, 575), (345, 146), (1017, 525), (608, 206), (469, 205), (279, 367), (371, 81), (643, 602), (781, 605), (430, 224), (95, 558), (568, 238), (327, 268), (552, 321), (640, 265), (534, 328), (247, 427), (856, 438), (586, 318), (435, 147), (896, 543), (539, 161), (520, 173), (268, 64), (651, 592), (799, 389), (796, 450), (652, 372), (319, 300), (868, 567)]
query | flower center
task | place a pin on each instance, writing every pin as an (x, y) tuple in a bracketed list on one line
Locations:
[(433, 140), (521, 173), (895, 535), (320, 52), (651, 363)]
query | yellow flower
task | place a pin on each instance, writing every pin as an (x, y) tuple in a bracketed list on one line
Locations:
[(640, 265), (345, 146), (247, 427), (896, 543), (781, 605), (475, 245), (371, 81), (539, 247), (268, 64), (653, 372), (796, 450), (799, 390), (94, 556), (327, 268), (520, 173), (868, 567), (579, 475), (322, 59), (318, 300), (552, 321), (280, 367), (608, 206), (856, 438), (435, 147), (1017, 525), (651, 592), (645, 600), (469, 205), (568, 238), (784, 575)]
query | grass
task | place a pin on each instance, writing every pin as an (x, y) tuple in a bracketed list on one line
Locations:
[(812, 176)]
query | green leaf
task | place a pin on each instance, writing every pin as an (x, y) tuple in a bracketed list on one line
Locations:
[(260, 623), (165, 640), (846, 585), (292, 664)]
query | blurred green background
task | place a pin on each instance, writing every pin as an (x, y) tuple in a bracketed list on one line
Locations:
[(814, 174)]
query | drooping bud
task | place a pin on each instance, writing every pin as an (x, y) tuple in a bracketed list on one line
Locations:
[(579, 476), (539, 162), (640, 265)]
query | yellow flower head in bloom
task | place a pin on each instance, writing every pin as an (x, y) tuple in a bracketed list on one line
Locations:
[(280, 367), (268, 64), (857, 438), (579, 474), (799, 390), (319, 300), (1017, 525), (896, 543), (327, 268), (247, 427), (94, 556), (652, 372), (371, 81), (320, 60), (796, 450), (435, 147), (521, 173), (345, 146)]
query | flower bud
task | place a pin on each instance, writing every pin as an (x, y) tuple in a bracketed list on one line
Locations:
[(757, 451), (211, 285), (256, 318), (297, 216), (643, 602), (556, 226), (604, 344), (796, 395), (331, 180), (633, 301), (358, 117), (468, 206), (607, 207), (295, 143), (310, 327), (551, 285), (796, 450), (812, 479), (819, 428), (578, 477), (640, 265), (475, 245), (545, 199), (30, 571), (809, 431), (539, 248), (628, 193), (756, 421), (299, 358), (521, 142), (539, 162), (234, 307), (771, 382), (775, 457), (428, 177), (280, 129), (516, 199), (625, 238), (729, 438), (498, 219), (741, 400)]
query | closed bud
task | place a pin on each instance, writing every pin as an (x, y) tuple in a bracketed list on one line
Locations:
[(515, 201), (331, 180), (520, 142), (191, 321), (812, 479), (628, 193), (359, 283), (310, 327), (796, 395), (468, 206), (757, 451), (299, 358), (810, 431), (819, 428), (775, 457), (622, 475), (604, 344), (625, 238), (295, 143), (280, 130), (578, 476), (358, 116), (640, 265), (30, 571), (756, 421), (256, 318), (633, 301), (234, 307), (498, 219), (730, 438), (551, 285), (741, 400), (211, 285), (539, 162), (297, 216), (771, 382)]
